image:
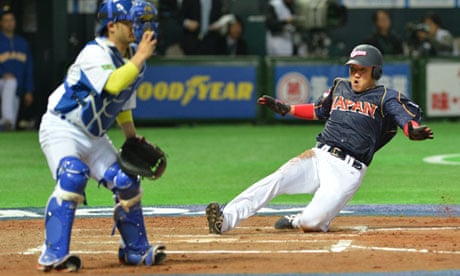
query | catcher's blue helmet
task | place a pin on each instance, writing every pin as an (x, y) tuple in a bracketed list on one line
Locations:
[(144, 14), (113, 11)]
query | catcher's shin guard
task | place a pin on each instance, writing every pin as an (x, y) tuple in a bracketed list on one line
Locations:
[(129, 220), (72, 177), (135, 248), (58, 222)]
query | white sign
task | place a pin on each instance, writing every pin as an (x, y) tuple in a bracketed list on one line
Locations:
[(431, 3), (379, 4), (374, 4), (443, 89), (81, 6)]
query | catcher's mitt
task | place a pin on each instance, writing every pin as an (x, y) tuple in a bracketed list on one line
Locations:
[(139, 157)]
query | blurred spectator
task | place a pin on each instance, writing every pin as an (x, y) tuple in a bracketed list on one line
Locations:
[(383, 38), (170, 27), (280, 33), (440, 39), (201, 29), (233, 43), (15, 70)]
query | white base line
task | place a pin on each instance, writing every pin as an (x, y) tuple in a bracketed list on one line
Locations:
[(215, 240), (234, 241), (411, 250), (313, 251), (340, 246), (413, 228)]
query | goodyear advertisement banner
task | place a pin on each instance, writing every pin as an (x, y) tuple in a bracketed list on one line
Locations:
[(198, 92), (297, 84)]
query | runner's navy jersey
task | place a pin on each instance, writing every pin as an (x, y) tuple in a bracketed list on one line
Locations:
[(361, 123)]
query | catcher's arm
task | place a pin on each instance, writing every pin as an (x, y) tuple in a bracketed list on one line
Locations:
[(126, 123), (124, 75)]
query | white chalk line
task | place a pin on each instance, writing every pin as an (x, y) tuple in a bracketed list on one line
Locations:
[(340, 246), (235, 240), (436, 228), (410, 250), (194, 240)]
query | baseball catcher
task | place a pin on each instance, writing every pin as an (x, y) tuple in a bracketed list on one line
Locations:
[(98, 91)]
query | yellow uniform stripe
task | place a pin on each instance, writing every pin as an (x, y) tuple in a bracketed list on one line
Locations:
[(121, 78), (124, 117)]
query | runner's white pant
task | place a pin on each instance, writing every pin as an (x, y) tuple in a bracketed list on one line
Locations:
[(10, 102), (332, 181)]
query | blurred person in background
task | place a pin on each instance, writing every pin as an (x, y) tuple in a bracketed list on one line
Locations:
[(201, 32), (440, 39), (170, 28), (233, 44), (280, 28), (16, 81), (384, 38)]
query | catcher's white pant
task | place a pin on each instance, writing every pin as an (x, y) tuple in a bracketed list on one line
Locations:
[(60, 138), (332, 181), (10, 102)]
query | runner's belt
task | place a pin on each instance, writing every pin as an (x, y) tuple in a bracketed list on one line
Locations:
[(339, 153)]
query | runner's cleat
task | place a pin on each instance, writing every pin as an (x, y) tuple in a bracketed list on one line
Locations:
[(285, 222), (215, 218)]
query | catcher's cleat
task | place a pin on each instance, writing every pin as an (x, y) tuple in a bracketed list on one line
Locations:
[(158, 254), (285, 222), (155, 255), (70, 263), (215, 218)]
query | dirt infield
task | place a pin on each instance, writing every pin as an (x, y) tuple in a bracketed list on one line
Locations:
[(354, 244)]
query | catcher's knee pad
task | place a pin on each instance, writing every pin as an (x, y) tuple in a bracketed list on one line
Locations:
[(59, 217), (72, 175), (109, 175), (127, 188), (120, 182)]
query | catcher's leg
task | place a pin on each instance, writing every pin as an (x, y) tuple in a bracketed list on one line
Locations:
[(135, 248), (72, 176)]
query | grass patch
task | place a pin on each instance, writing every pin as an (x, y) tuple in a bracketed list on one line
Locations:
[(216, 162)]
